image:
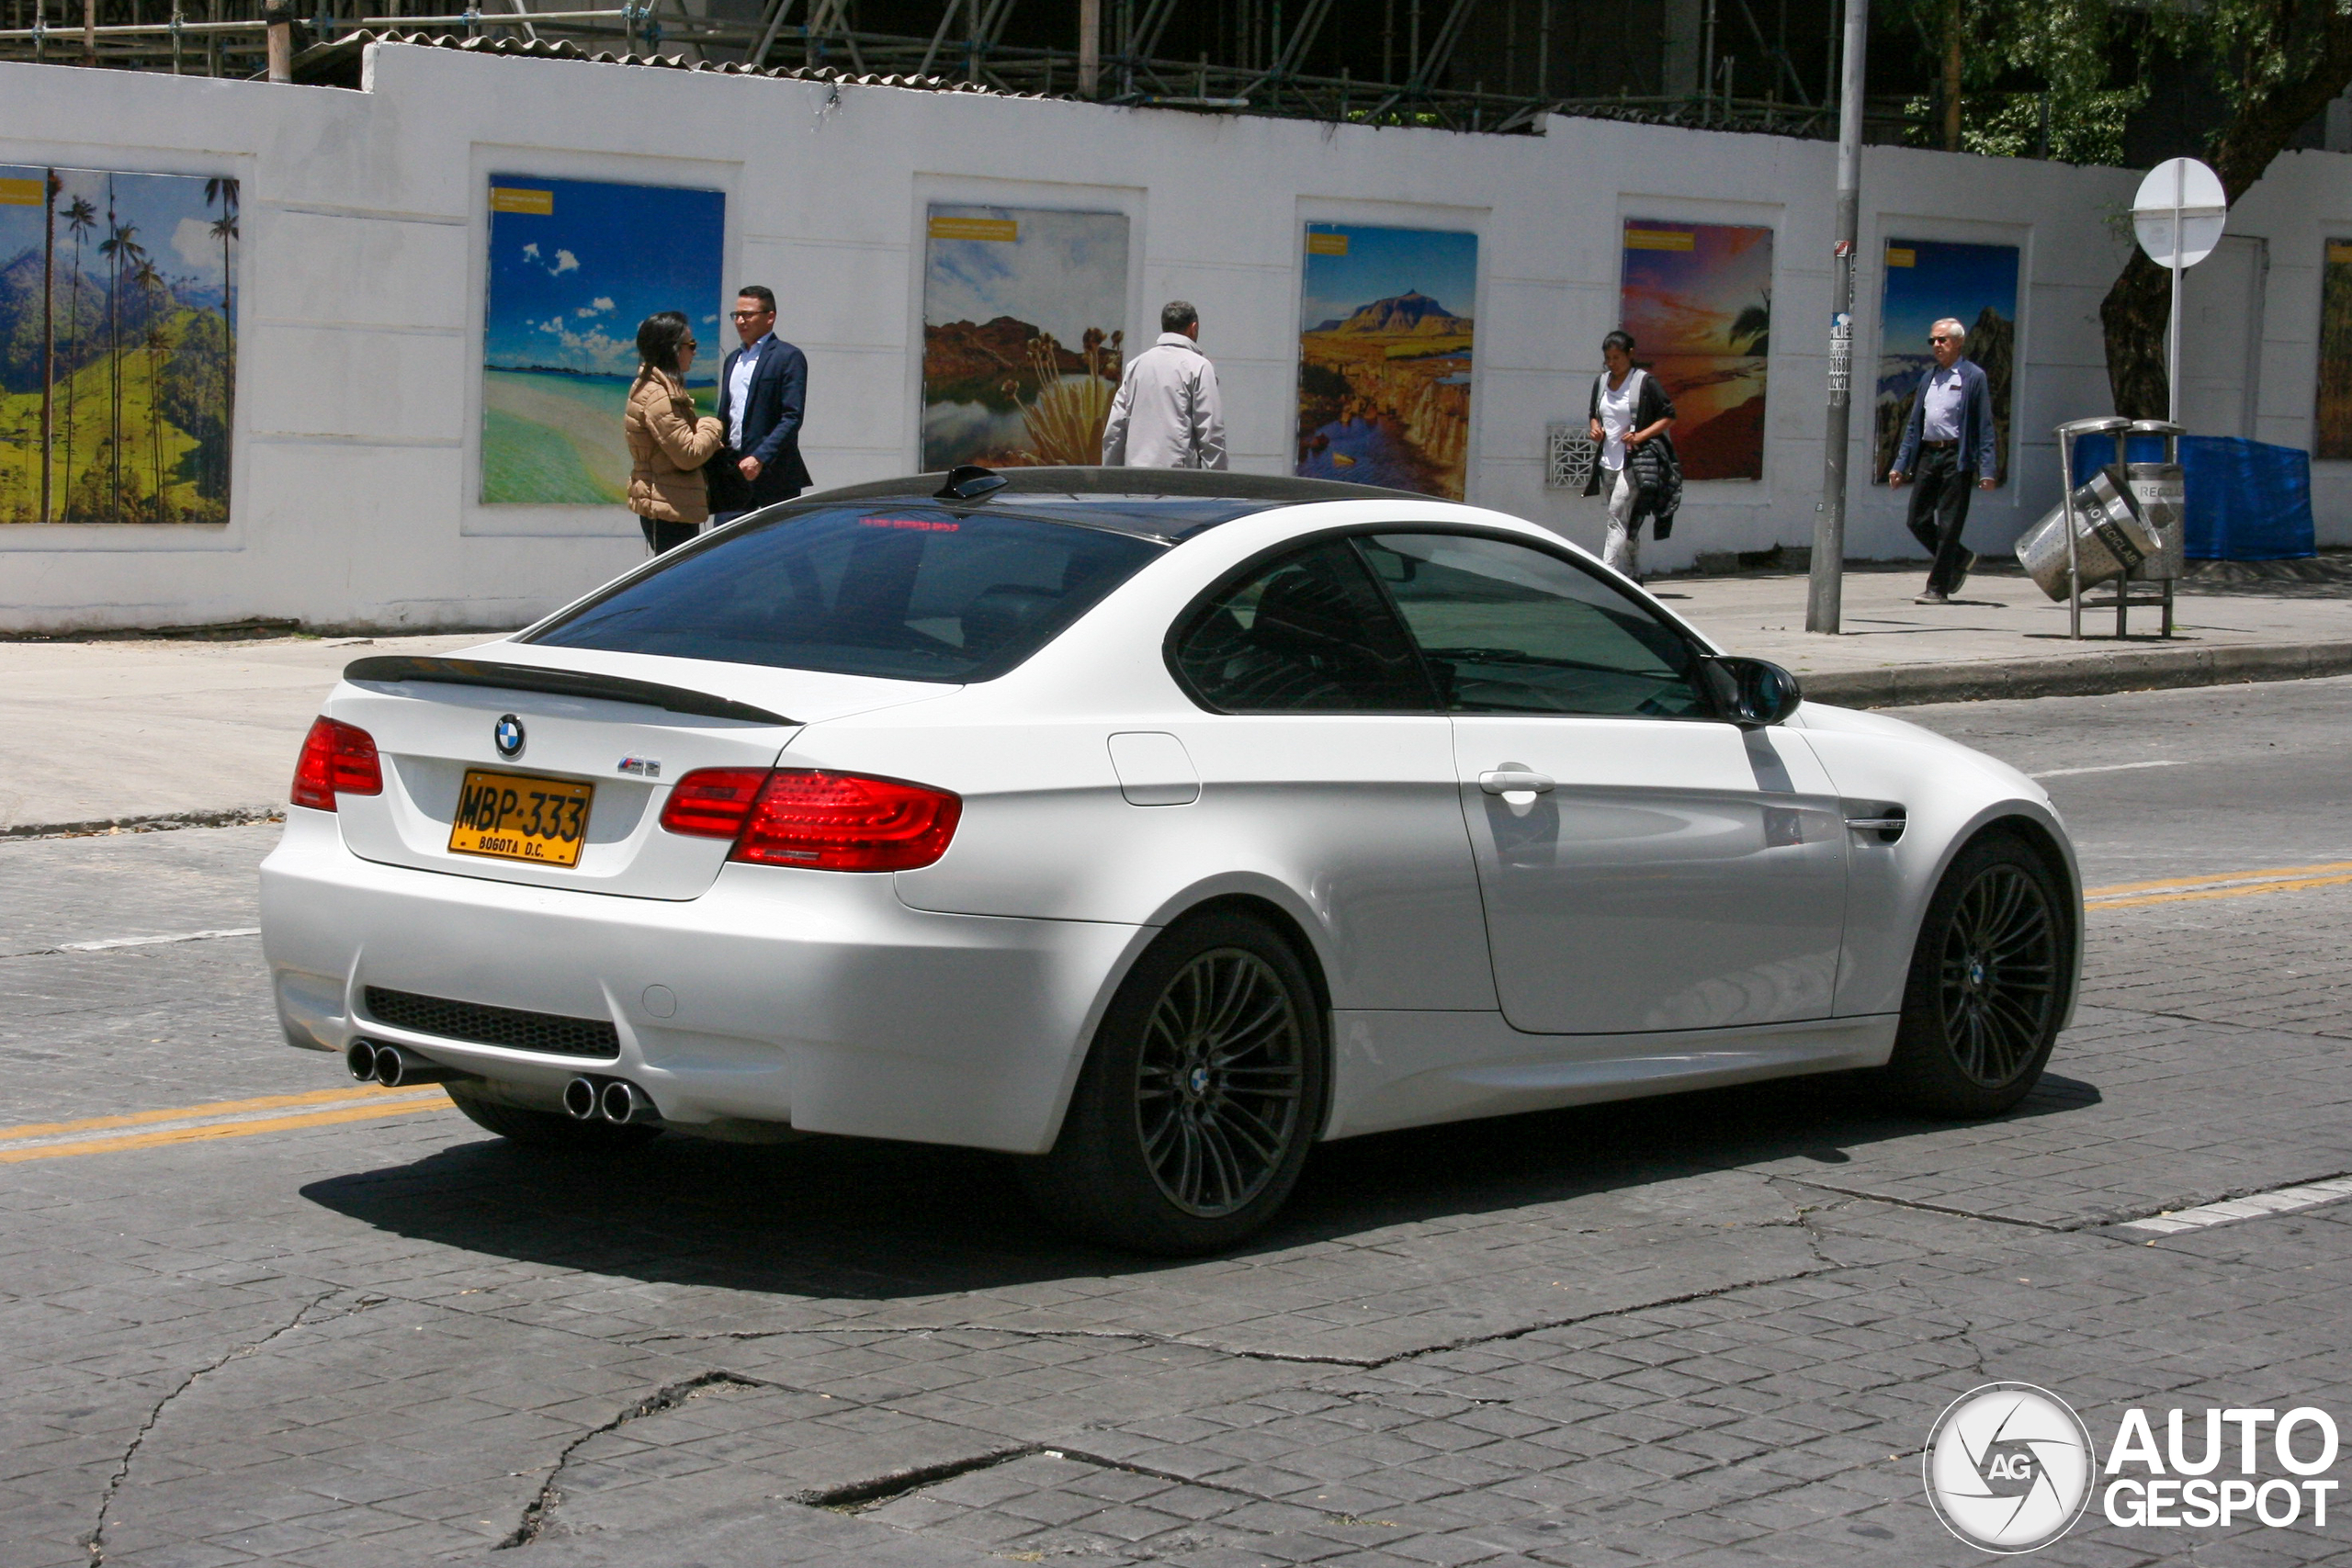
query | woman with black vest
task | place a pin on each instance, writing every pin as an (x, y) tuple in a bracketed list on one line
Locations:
[(1630, 415)]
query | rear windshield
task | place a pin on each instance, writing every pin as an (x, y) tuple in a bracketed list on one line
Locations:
[(910, 593)]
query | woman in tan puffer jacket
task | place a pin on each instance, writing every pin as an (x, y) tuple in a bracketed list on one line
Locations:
[(668, 444)]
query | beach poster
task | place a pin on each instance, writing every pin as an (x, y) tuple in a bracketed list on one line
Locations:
[(1023, 335), (1698, 299), (118, 346), (1926, 281), (1386, 323), (574, 266), (2333, 438)]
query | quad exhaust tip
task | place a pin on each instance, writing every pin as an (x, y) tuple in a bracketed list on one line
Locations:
[(616, 1100), (395, 1067)]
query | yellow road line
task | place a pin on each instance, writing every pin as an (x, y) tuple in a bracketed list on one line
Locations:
[(2275, 874), (2293, 886), (217, 1108), (221, 1129)]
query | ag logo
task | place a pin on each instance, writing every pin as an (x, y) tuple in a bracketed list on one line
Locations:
[(2008, 1467)]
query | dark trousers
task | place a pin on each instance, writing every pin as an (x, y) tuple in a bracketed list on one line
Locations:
[(1939, 490), (663, 538)]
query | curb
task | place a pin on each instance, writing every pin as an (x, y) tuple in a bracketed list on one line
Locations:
[(156, 822), (2078, 674)]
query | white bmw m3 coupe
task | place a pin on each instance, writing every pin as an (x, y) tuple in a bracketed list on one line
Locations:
[(1152, 826)]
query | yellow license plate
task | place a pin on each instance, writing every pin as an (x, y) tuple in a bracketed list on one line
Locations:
[(516, 817)]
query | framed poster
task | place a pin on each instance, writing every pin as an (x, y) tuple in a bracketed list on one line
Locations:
[(1022, 333), (2332, 436), (1384, 340), (574, 266), (1698, 299), (1926, 281), (118, 346)]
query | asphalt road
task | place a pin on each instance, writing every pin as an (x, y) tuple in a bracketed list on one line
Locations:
[(249, 1312)]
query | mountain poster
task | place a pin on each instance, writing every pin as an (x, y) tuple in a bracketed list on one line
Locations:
[(1385, 328), (1926, 281)]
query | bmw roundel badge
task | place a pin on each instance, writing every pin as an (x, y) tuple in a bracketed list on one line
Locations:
[(508, 734)]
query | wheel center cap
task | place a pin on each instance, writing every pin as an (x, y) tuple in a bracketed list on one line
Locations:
[(1197, 1082), (1976, 971)]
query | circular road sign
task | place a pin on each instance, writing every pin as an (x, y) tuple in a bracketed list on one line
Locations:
[(2179, 207)]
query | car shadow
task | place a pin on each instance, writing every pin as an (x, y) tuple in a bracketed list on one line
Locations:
[(856, 1219)]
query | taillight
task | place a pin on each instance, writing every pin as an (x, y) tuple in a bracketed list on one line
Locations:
[(821, 820), (712, 802), (337, 759)]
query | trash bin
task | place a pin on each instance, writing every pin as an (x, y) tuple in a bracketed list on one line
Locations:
[(2160, 493), (2110, 539)]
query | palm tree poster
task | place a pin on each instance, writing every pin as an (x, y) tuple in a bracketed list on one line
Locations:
[(118, 346), (574, 266), (1024, 334), (1926, 281), (1388, 318), (2332, 439), (1698, 299)]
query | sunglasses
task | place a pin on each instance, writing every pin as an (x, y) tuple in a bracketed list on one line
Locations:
[(1939, 337), (748, 315)]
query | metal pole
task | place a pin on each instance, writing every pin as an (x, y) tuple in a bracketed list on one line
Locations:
[(1825, 592), (2172, 328)]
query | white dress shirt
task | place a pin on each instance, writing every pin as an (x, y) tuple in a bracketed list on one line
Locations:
[(738, 388)]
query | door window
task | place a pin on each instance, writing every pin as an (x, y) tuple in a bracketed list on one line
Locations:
[(1309, 633), (1504, 628)]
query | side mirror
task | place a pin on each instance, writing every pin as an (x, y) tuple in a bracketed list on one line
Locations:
[(1752, 693)]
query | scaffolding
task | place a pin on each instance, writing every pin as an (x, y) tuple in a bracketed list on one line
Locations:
[(1475, 65)]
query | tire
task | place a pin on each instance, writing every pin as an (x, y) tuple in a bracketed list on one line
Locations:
[(1988, 984), (1200, 1099), (547, 1129)]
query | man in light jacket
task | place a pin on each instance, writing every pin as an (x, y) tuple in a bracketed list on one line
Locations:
[(1166, 415), (1948, 446)]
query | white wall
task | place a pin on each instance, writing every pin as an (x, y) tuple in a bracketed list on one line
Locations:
[(362, 266)]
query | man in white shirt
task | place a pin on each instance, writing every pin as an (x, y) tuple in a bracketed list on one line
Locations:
[(1948, 443), (1166, 413)]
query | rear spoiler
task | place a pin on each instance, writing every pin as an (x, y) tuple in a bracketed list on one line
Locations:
[(393, 669)]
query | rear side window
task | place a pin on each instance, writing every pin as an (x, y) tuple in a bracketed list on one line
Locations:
[(913, 593), (1309, 633), (1508, 629)]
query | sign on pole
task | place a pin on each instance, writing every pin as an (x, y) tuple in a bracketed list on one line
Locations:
[(2179, 216)]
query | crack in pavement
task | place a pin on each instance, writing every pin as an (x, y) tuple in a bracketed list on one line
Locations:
[(94, 1541), (667, 1397)]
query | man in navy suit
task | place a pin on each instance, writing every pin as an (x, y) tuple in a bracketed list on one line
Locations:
[(1947, 443), (763, 389)]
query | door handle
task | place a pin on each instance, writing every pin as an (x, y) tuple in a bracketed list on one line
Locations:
[(1514, 781)]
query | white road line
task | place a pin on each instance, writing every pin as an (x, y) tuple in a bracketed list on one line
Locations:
[(132, 941), (2280, 1201), (2107, 768)]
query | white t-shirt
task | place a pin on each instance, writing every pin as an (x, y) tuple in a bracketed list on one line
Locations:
[(1617, 417)]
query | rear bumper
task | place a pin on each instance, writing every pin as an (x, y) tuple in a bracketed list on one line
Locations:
[(810, 998)]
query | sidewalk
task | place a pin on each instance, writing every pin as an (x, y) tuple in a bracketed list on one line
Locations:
[(154, 730), (2003, 638)]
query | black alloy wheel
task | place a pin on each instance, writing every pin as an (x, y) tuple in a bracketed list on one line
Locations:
[(1217, 1082), (1204, 1091), (1988, 987)]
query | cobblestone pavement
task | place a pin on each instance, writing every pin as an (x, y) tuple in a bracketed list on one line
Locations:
[(1713, 1328)]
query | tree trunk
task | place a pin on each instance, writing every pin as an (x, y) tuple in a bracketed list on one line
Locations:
[(2135, 313), (1951, 75)]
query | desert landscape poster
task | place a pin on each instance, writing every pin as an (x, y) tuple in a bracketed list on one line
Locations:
[(1926, 281), (1386, 320), (1024, 334), (1698, 299), (574, 266), (118, 346), (2334, 437)]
